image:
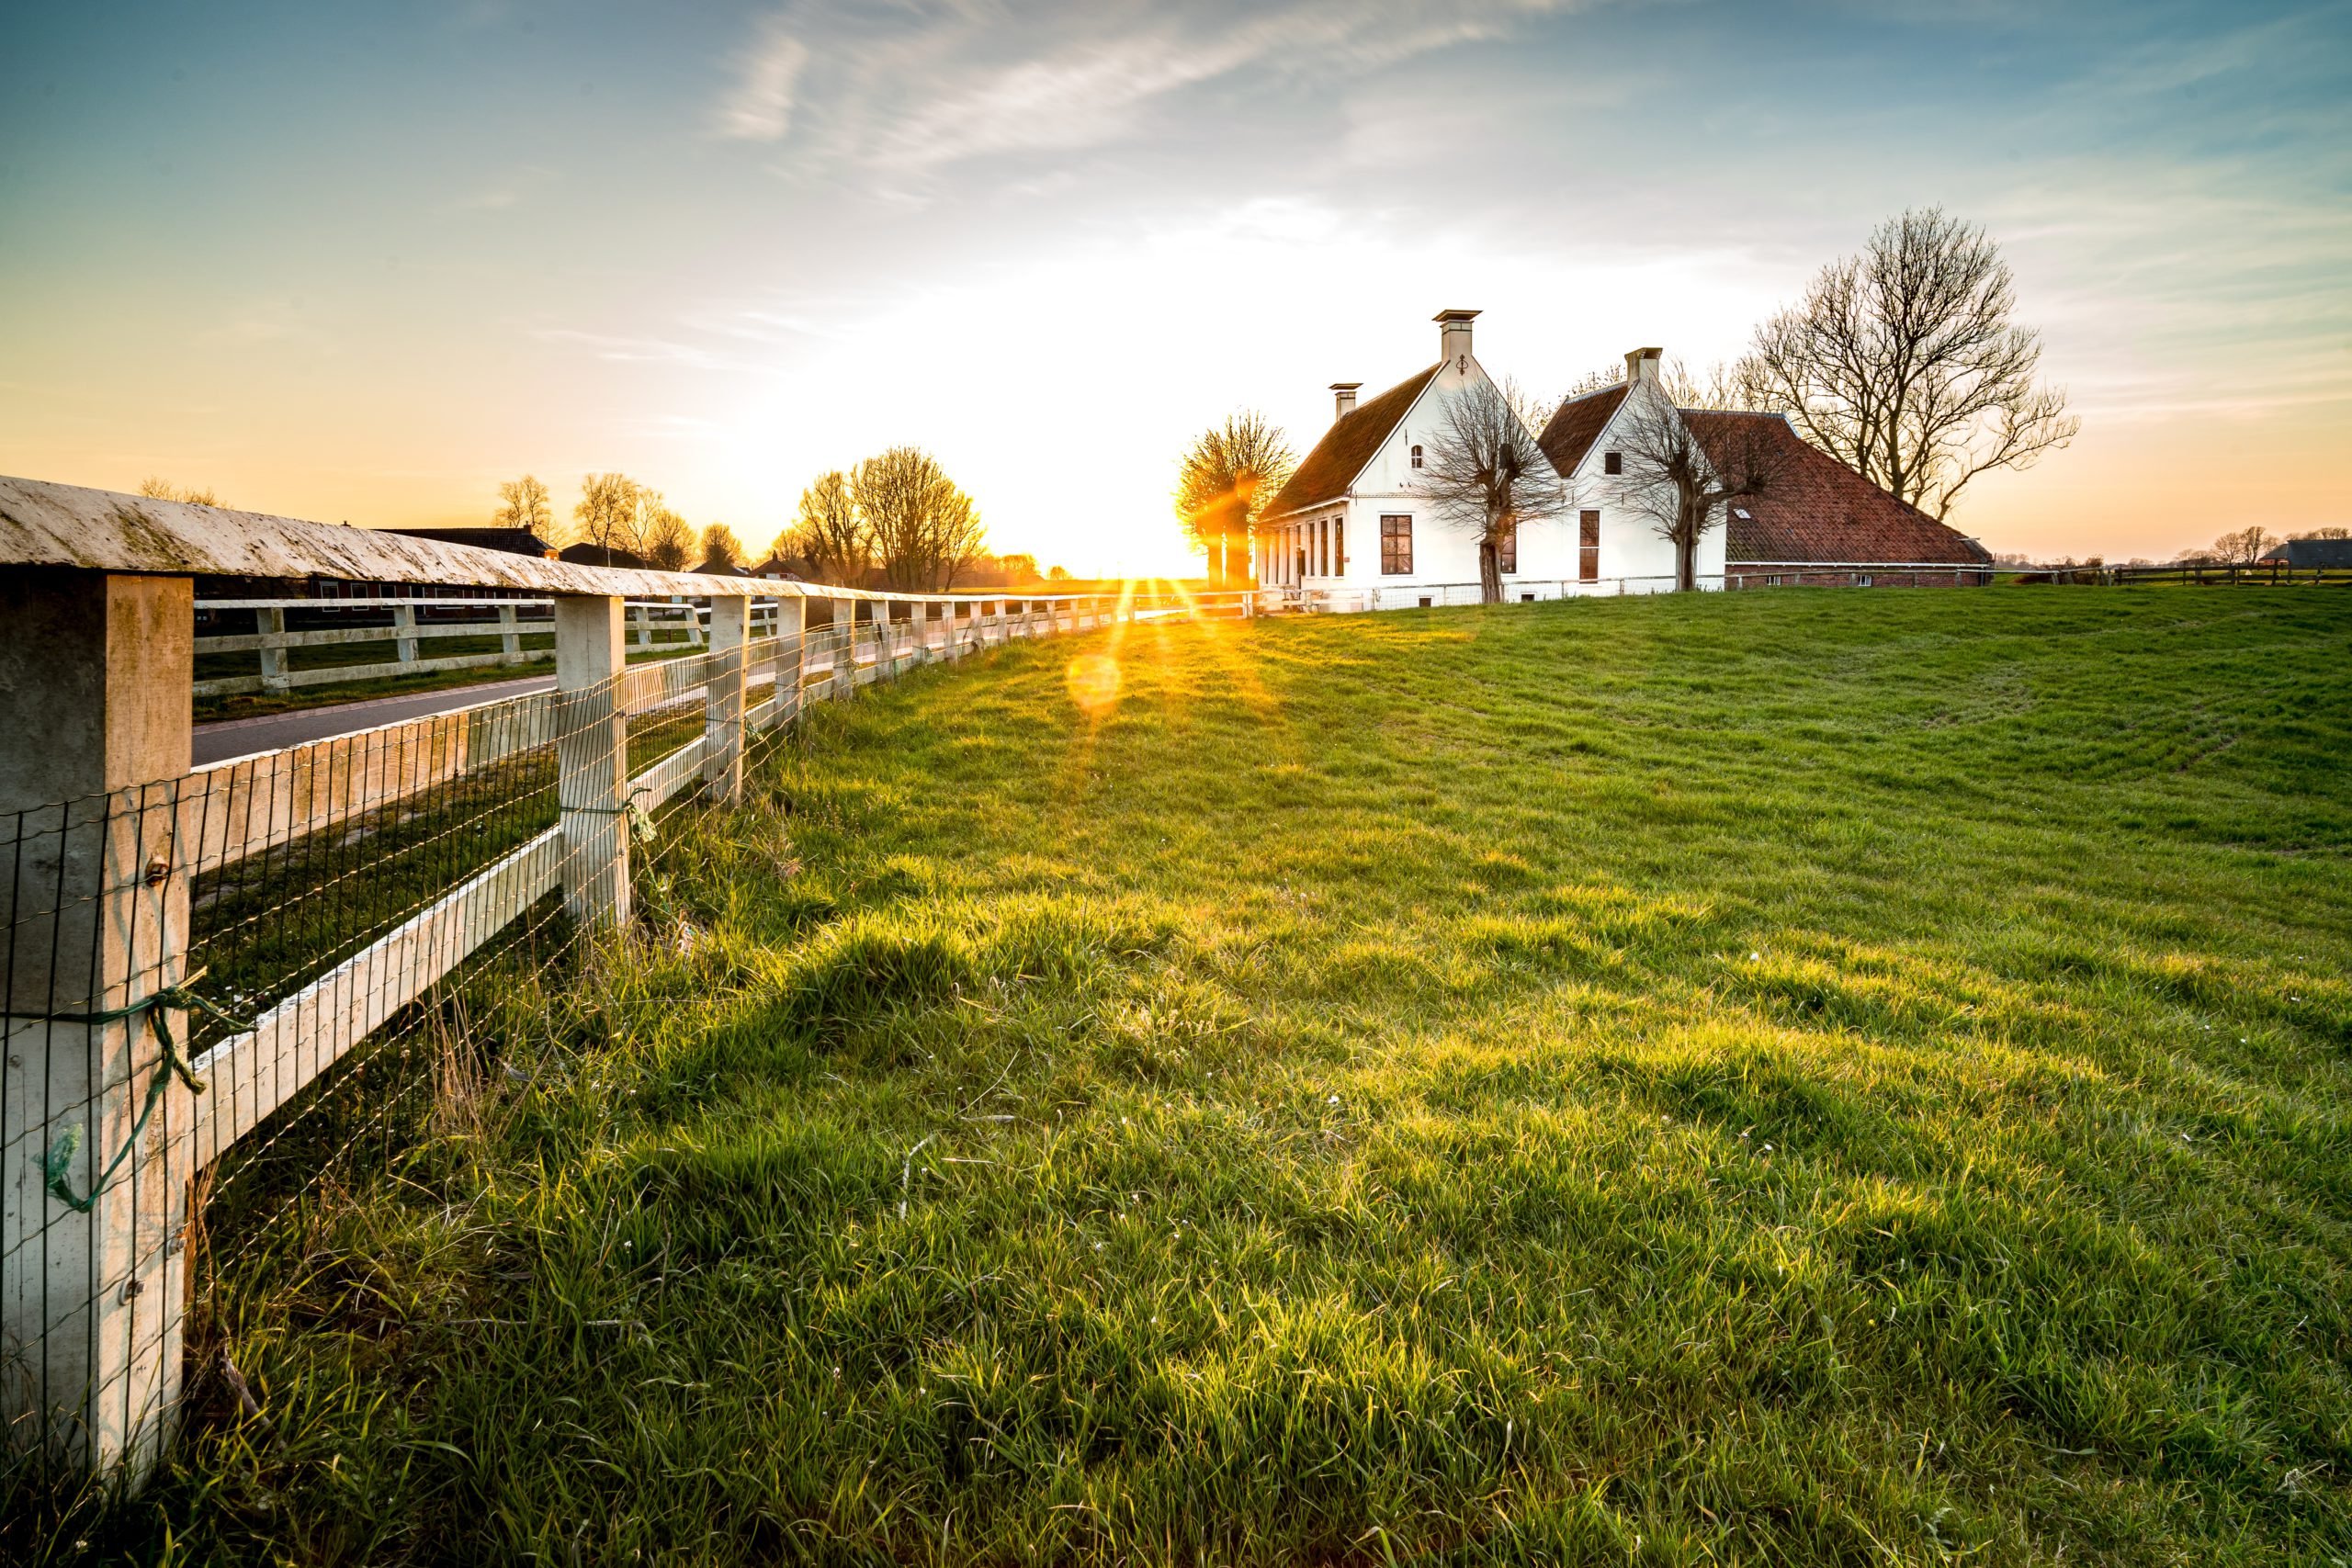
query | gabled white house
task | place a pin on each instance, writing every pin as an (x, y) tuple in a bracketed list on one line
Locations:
[(1354, 530)]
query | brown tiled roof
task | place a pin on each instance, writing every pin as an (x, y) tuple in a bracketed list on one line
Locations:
[(1578, 425), (1347, 447), (1823, 511)]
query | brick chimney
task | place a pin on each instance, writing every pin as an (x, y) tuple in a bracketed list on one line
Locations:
[(1343, 399), (1641, 365), (1454, 333)]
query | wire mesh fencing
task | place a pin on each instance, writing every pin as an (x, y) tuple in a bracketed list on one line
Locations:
[(228, 987)]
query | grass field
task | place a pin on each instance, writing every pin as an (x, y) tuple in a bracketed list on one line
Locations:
[(1798, 1076)]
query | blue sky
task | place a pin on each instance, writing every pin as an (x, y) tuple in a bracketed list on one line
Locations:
[(364, 265)]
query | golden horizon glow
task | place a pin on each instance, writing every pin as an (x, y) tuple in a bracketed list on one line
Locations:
[(723, 252)]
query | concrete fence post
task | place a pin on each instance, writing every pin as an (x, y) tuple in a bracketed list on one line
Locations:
[(97, 667), (271, 623), (404, 632), (791, 659), (592, 757), (722, 700), (510, 636)]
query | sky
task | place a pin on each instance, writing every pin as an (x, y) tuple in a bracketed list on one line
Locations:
[(363, 263)]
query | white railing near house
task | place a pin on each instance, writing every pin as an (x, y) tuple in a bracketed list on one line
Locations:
[(1530, 590), (189, 950)]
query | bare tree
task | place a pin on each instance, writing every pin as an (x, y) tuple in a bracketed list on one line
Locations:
[(2241, 546), (665, 540), (720, 547), (1485, 474), (1681, 472), (1720, 386), (525, 504), (608, 512), (155, 488), (925, 530), (829, 534), (1224, 481), (1903, 365), (2330, 532)]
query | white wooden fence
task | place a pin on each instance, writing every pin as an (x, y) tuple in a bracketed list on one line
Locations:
[(410, 848)]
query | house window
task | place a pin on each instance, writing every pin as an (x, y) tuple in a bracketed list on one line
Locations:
[(1588, 547), (1425, 601), (1416, 456), (1338, 547), (1527, 598), (1506, 549), (1397, 547), (1861, 580), (1612, 462)]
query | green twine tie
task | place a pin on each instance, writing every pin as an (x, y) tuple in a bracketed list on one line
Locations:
[(59, 1161)]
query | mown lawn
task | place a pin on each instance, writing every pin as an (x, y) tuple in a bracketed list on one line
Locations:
[(1798, 1076)]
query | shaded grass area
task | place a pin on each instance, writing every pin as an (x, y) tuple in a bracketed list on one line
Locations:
[(1795, 1076), (538, 659)]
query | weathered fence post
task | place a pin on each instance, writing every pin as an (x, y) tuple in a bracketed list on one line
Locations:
[(97, 667), (404, 632), (510, 636), (592, 757), (271, 623), (722, 700), (791, 659)]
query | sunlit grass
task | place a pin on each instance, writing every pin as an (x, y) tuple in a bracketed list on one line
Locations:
[(1789, 1076)]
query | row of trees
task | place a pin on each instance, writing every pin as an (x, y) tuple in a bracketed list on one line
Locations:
[(1903, 362), (896, 519)]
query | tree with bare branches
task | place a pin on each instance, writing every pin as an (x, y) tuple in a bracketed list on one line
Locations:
[(1483, 473), (829, 534), (1904, 364), (1682, 473), (668, 543), (607, 512), (924, 530), (525, 504), (2241, 546), (155, 488), (1225, 480), (720, 547)]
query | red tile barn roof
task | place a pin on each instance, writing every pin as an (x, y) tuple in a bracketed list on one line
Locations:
[(1823, 511)]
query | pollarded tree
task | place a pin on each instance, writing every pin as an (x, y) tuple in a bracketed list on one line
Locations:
[(1903, 363), (1225, 479), (1483, 473), (925, 531), (1681, 472)]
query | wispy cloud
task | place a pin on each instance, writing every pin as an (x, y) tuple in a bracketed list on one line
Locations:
[(942, 83), (759, 109)]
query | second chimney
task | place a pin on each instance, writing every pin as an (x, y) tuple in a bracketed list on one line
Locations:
[(1343, 399), (1454, 334), (1641, 365)]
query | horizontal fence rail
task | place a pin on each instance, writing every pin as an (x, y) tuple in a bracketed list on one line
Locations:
[(1740, 575), (222, 980)]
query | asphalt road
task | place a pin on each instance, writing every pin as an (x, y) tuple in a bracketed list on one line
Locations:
[(242, 737)]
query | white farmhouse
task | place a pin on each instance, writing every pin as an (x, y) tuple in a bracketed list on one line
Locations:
[(1354, 529)]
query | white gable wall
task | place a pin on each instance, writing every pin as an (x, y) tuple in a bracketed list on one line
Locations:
[(1633, 558)]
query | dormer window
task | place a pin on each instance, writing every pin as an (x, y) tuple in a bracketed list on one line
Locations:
[(1612, 462), (1416, 456)]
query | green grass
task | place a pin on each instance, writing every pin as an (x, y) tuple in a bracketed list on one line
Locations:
[(1798, 1076)]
